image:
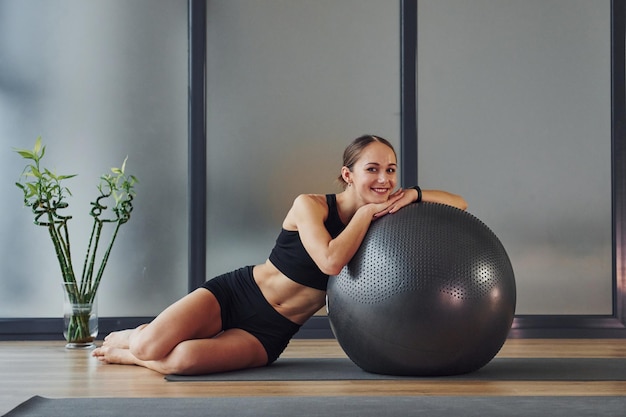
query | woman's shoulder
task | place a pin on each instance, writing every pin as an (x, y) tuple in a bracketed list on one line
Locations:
[(307, 206), (311, 200)]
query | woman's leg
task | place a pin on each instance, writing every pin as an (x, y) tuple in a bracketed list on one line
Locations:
[(195, 316), (185, 338), (230, 350)]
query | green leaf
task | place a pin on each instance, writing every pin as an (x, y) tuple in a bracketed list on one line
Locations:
[(24, 153), (34, 171), (37, 147), (50, 173), (124, 164), (32, 188)]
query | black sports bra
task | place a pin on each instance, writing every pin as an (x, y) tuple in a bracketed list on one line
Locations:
[(290, 257)]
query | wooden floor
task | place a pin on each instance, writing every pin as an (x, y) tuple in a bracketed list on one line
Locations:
[(48, 369)]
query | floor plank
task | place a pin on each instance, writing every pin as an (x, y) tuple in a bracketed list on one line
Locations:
[(48, 369)]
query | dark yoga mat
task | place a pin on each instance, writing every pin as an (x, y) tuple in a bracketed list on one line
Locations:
[(325, 406), (499, 369)]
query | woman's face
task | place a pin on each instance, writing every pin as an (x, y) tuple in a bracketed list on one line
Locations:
[(374, 174)]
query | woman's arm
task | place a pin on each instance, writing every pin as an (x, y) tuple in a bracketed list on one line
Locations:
[(411, 195), (443, 197), (331, 255)]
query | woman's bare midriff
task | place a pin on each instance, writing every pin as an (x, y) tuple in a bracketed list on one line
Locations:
[(292, 300)]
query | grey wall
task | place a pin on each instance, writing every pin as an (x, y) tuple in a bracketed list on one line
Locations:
[(513, 113), (514, 106), (98, 80), (289, 85)]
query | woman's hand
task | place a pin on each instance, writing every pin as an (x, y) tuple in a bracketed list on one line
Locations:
[(410, 195), (396, 201)]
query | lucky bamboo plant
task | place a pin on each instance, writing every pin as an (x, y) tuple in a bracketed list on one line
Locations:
[(46, 195)]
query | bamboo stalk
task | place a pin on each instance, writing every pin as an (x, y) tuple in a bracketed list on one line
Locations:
[(46, 195)]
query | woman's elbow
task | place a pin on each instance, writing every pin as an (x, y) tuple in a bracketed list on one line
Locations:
[(332, 268), (461, 203), (457, 201)]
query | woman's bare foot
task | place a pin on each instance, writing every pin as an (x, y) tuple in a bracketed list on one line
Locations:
[(109, 354), (120, 339)]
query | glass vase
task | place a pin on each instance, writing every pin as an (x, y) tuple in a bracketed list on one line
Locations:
[(80, 320)]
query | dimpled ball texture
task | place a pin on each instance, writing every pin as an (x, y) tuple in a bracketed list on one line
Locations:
[(431, 291)]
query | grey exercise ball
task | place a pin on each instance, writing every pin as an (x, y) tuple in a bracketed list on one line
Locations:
[(431, 291)]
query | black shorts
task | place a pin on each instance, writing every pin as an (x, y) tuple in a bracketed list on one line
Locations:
[(243, 306)]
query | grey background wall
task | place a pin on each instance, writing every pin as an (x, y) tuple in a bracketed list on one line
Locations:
[(98, 80), (514, 107), (289, 84), (513, 113)]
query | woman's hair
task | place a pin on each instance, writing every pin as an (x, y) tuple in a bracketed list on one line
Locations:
[(353, 152)]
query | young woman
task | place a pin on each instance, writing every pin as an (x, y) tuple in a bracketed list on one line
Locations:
[(246, 318)]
